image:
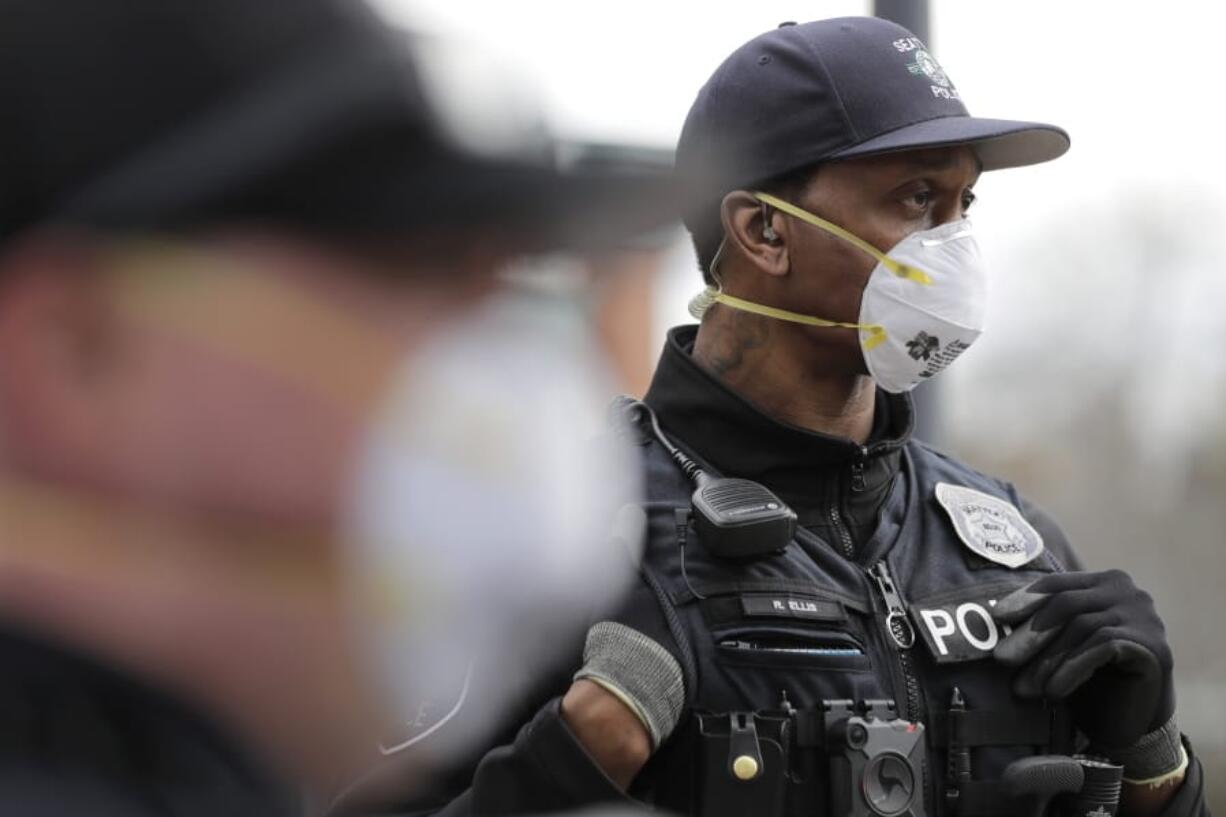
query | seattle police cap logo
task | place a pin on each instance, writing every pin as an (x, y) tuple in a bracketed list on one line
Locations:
[(990, 526)]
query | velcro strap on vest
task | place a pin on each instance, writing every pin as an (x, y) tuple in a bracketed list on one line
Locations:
[(992, 727), (979, 798), (810, 729), (1047, 727)]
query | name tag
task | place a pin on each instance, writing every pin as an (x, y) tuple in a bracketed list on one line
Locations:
[(785, 606)]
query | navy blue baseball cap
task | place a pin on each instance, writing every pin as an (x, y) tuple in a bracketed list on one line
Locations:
[(836, 89)]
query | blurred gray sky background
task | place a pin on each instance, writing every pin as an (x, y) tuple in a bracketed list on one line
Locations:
[(1098, 387)]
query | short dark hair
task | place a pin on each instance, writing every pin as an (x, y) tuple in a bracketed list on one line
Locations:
[(707, 231)]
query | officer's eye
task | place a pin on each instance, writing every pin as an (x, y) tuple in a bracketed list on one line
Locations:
[(917, 202), (968, 198)]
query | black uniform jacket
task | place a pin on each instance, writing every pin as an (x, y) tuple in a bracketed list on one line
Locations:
[(880, 596), (78, 738)]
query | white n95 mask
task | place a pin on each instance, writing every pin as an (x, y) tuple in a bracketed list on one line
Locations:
[(480, 524), (924, 304)]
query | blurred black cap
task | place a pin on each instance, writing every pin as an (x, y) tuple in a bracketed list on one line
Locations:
[(308, 114), (835, 89)]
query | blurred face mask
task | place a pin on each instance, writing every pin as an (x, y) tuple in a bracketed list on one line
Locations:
[(925, 302), (482, 514)]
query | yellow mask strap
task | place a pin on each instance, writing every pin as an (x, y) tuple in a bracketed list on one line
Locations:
[(901, 270), (876, 332)]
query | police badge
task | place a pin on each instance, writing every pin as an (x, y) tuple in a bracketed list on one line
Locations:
[(990, 526)]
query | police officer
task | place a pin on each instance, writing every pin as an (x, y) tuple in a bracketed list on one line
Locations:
[(841, 272), (231, 234)]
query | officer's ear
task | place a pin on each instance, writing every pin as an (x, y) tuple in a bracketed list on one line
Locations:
[(757, 231), (56, 340)]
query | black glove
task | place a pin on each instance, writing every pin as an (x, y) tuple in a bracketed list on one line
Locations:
[(1095, 640)]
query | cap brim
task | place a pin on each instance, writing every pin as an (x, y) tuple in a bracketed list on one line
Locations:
[(349, 151), (999, 143), (597, 199)]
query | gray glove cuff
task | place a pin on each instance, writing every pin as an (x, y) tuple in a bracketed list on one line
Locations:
[(1154, 755), (640, 672)]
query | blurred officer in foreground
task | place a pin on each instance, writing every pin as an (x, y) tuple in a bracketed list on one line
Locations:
[(269, 422), (835, 618)]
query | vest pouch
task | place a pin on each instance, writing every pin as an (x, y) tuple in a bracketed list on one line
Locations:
[(791, 647), (762, 646), (784, 629), (742, 767)]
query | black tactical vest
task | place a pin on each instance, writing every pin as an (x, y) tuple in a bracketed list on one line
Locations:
[(907, 621)]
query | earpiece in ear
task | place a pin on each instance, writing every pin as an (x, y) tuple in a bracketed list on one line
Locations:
[(768, 231)]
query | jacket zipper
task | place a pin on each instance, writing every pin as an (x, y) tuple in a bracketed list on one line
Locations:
[(836, 517), (836, 521), (897, 625), (901, 633), (857, 470)]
